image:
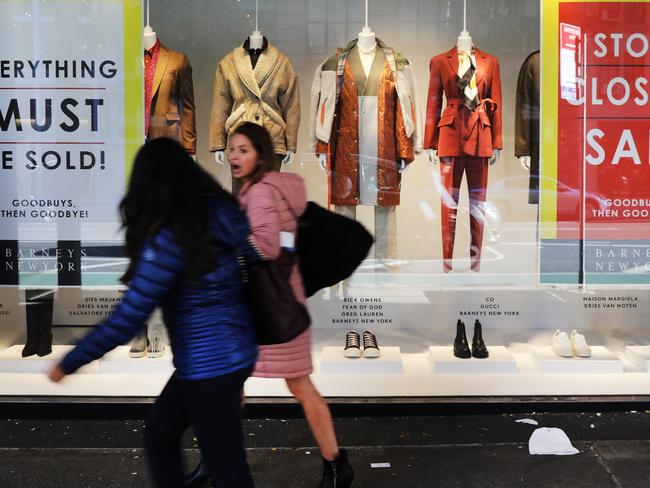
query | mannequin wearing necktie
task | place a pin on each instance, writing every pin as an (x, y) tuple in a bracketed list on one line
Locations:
[(465, 138)]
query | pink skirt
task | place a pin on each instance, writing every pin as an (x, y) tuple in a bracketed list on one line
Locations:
[(289, 360)]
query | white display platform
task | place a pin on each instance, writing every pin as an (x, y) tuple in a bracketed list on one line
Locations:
[(334, 362), (602, 360), (443, 361), (11, 361), (640, 356), (118, 361)]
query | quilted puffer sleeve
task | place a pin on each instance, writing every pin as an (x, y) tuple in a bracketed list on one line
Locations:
[(264, 220), (159, 269)]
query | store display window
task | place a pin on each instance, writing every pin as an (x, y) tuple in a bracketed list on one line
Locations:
[(497, 151)]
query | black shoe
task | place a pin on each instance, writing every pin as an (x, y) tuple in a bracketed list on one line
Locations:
[(461, 348), (479, 350), (197, 477), (337, 473)]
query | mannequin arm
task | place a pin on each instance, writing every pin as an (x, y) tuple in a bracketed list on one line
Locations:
[(288, 159), (432, 157), (524, 161), (402, 166), (495, 156), (219, 157)]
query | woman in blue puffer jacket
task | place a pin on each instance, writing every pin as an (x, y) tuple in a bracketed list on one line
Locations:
[(184, 237)]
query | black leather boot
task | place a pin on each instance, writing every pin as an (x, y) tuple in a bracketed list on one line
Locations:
[(31, 340), (479, 350), (197, 477), (337, 473), (461, 348)]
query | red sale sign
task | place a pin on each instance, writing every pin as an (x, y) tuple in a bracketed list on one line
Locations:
[(596, 139)]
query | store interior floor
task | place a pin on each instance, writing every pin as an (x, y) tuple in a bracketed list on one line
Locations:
[(488, 450)]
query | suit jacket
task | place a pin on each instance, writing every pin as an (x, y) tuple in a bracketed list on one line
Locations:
[(458, 130), (267, 95), (172, 102), (527, 120)]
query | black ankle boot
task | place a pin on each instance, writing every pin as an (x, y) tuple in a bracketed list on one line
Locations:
[(197, 477), (479, 350), (337, 473), (461, 348)]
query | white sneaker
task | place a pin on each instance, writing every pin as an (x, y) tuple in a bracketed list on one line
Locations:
[(579, 344), (561, 344)]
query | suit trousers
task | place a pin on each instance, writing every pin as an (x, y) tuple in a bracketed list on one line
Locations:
[(451, 172), (385, 228)]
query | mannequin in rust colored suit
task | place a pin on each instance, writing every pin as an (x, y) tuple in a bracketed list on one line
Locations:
[(466, 140)]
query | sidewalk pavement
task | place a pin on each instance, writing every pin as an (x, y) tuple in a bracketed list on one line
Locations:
[(436, 451)]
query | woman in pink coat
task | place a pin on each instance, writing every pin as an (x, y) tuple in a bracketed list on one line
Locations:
[(272, 202)]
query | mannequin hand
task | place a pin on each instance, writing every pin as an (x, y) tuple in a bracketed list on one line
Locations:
[(220, 157), (432, 157), (322, 160), (56, 374), (288, 159), (402, 166), (495, 156), (193, 156), (524, 161)]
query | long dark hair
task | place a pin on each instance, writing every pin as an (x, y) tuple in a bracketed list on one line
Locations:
[(261, 141), (168, 189)]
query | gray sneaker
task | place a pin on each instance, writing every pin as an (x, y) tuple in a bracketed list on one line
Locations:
[(139, 345)]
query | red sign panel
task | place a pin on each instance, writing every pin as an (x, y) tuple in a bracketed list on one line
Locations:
[(604, 124)]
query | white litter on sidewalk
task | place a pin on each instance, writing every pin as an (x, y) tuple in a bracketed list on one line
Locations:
[(546, 440), (380, 465), (527, 421)]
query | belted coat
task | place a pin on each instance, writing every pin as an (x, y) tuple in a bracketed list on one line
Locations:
[(459, 131)]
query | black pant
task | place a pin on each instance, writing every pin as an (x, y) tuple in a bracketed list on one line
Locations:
[(213, 408)]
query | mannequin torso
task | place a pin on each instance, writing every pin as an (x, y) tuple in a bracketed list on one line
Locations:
[(463, 44)]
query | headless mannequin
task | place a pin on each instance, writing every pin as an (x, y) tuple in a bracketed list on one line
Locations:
[(366, 41), (256, 41), (464, 43), (149, 39)]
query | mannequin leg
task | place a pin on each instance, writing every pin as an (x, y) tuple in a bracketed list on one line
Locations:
[(477, 175), (386, 232), (349, 211), (451, 176)]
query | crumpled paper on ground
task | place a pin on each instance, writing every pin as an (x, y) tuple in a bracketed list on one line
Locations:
[(550, 440)]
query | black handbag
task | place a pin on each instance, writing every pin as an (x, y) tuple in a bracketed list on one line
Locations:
[(279, 317), (330, 247)]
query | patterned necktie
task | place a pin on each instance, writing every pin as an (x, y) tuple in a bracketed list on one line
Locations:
[(467, 80)]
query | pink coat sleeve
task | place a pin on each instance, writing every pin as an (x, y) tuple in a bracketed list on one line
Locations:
[(264, 220)]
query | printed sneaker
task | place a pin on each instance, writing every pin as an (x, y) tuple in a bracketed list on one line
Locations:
[(561, 344), (156, 343), (352, 345), (579, 344), (139, 345), (370, 347)]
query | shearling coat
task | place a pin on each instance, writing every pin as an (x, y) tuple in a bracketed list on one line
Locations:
[(272, 206), (527, 120), (267, 95), (457, 130), (335, 124), (172, 103)]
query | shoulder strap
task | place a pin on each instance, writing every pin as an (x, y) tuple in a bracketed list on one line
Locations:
[(340, 68)]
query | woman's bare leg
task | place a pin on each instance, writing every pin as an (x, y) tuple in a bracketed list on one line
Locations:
[(317, 413)]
